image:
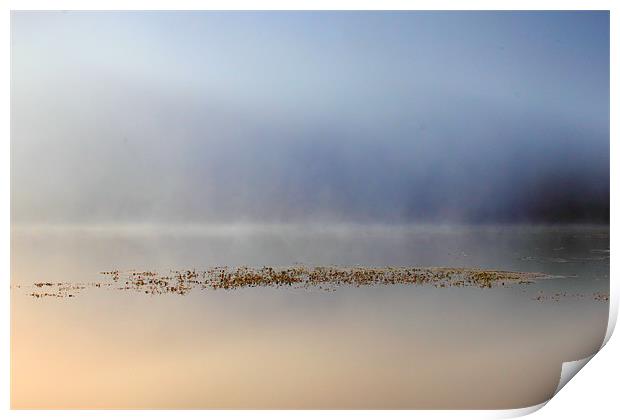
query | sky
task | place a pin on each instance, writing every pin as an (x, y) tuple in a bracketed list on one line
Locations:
[(361, 117)]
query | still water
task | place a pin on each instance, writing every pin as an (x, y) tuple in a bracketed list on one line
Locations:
[(383, 346)]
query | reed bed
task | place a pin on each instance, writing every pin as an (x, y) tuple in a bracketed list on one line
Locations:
[(327, 278)]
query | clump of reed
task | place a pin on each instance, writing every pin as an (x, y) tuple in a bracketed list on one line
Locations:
[(326, 278)]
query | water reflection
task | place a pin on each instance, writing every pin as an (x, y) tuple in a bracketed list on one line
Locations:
[(390, 346)]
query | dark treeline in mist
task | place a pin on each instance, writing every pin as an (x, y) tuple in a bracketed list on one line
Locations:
[(189, 163)]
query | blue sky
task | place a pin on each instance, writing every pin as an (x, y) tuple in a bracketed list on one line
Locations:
[(293, 116)]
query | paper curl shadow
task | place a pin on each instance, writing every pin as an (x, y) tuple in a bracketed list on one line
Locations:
[(571, 368)]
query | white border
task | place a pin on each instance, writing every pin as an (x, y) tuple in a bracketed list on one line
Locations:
[(592, 394)]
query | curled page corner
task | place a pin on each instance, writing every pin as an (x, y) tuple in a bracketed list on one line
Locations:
[(570, 369)]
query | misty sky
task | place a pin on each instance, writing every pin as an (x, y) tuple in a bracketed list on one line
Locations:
[(192, 117)]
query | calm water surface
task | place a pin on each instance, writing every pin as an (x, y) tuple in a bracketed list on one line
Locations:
[(400, 346)]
